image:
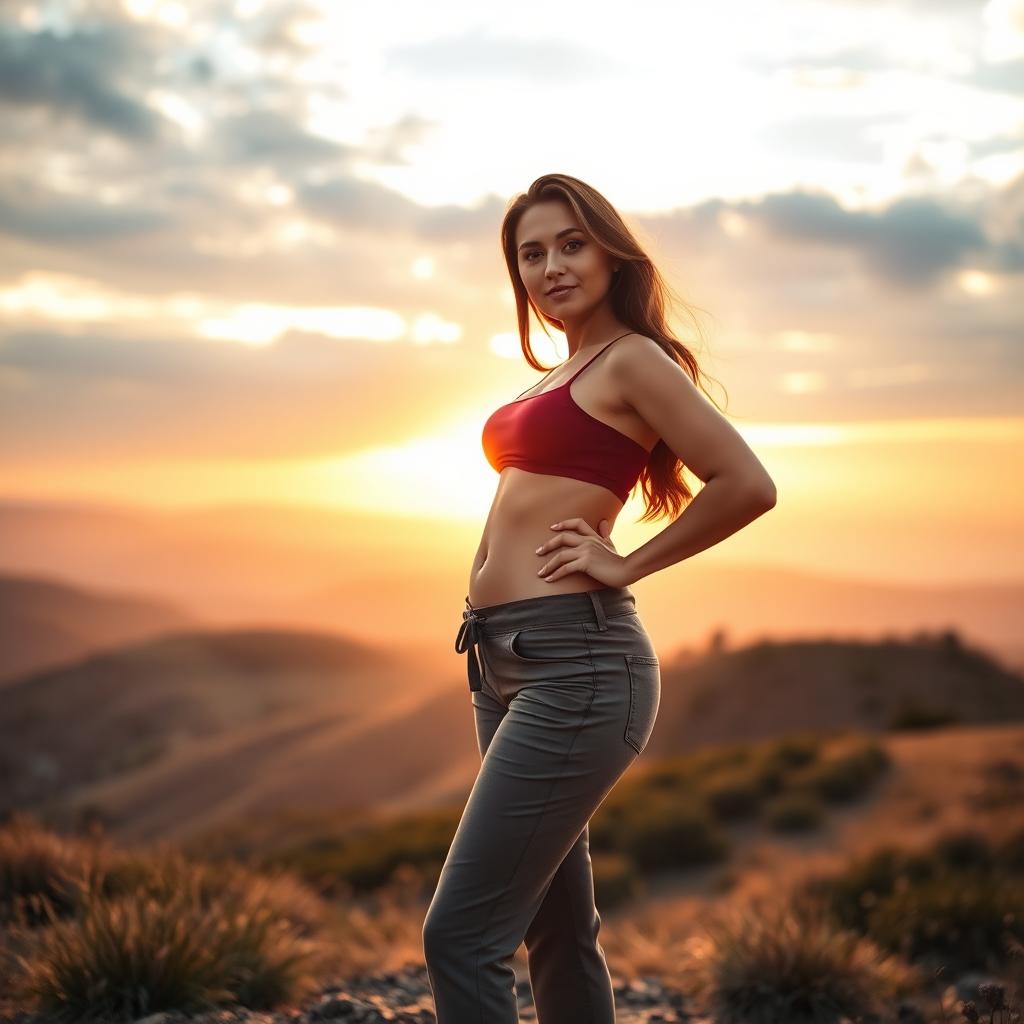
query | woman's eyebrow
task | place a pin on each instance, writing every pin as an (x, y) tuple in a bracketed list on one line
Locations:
[(564, 231)]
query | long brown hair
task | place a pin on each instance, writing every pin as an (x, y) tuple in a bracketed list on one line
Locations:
[(639, 298)]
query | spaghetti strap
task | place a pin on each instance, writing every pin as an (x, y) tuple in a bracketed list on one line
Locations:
[(574, 376), (589, 361)]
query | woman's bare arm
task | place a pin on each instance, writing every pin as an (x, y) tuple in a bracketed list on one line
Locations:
[(737, 488)]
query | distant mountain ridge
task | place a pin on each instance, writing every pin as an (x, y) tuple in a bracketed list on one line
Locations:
[(401, 581), (46, 622), (190, 730), (163, 723)]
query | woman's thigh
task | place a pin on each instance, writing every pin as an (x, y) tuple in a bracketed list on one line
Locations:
[(548, 760), (564, 710)]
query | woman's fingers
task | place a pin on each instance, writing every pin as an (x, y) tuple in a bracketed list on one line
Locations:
[(553, 569), (576, 523), (562, 553)]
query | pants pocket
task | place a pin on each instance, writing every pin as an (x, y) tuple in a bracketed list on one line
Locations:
[(644, 698), (549, 642)]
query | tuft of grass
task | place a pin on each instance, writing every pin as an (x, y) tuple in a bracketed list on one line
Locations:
[(776, 960), (39, 869), (135, 955), (96, 933)]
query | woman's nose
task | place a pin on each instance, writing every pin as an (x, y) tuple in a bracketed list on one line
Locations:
[(553, 268)]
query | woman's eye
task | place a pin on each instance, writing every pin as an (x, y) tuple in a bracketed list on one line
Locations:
[(572, 241)]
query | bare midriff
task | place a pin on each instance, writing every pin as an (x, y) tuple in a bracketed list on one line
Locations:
[(526, 504)]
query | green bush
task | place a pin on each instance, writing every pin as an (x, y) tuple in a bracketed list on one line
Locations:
[(707, 760), (956, 900), (771, 777), (964, 848), (732, 793), (846, 776), (850, 895), (913, 716), (792, 752), (672, 833), (793, 812), (367, 856), (960, 918)]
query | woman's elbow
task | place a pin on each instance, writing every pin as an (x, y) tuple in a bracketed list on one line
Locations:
[(763, 492)]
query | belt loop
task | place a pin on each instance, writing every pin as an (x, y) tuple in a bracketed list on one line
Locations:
[(602, 622)]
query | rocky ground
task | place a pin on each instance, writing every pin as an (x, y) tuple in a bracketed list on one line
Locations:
[(403, 997)]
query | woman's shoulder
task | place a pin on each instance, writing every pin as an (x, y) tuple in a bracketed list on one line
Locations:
[(633, 346), (639, 361)]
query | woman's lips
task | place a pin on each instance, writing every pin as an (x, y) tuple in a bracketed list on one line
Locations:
[(559, 292)]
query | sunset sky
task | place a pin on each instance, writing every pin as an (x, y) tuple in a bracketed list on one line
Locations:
[(250, 250)]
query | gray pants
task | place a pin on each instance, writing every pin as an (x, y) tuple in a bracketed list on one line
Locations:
[(564, 702)]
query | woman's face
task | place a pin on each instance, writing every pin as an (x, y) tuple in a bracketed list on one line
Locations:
[(552, 250)]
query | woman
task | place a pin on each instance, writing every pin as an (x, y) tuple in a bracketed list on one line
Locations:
[(564, 680)]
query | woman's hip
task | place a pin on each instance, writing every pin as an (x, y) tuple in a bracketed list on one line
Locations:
[(581, 658)]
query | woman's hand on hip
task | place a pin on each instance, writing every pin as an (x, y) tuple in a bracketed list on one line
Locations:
[(577, 547)]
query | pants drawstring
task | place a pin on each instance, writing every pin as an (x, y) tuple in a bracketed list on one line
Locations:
[(468, 640)]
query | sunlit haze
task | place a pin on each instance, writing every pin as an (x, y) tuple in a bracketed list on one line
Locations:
[(251, 252)]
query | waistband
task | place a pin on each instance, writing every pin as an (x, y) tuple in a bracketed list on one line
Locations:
[(586, 606), (583, 606)]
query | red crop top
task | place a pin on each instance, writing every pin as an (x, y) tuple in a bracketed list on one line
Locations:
[(550, 434)]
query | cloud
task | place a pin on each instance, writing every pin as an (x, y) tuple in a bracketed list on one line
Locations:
[(286, 29), (1000, 76), (30, 212), (912, 241), (193, 162), (385, 144), (354, 203), (273, 137), (79, 74)]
